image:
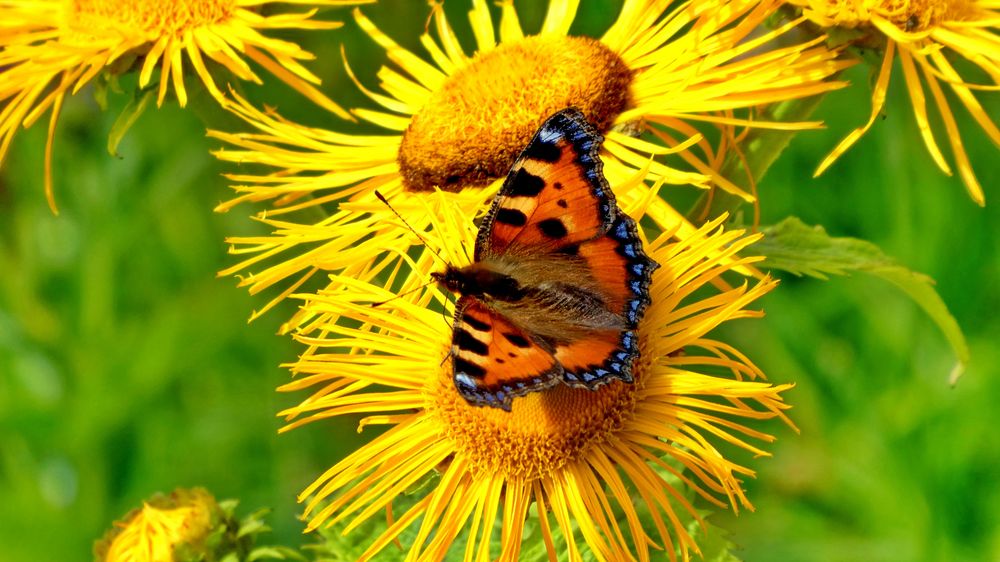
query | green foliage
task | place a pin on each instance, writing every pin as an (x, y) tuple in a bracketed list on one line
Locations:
[(128, 117), (794, 247), (126, 366), (890, 463)]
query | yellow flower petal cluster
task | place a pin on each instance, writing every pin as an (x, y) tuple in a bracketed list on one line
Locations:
[(580, 457), (51, 48), (154, 532), (923, 34), (458, 120)]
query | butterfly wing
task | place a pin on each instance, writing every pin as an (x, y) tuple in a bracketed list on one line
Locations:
[(555, 195), (494, 360), (624, 272), (555, 207)]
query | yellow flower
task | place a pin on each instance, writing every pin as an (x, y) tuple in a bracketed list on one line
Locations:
[(459, 120), (579, 456), (49, 48), (921, 33), (160, 527)]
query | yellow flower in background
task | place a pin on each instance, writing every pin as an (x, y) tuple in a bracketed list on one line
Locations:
[(923, 34), (588, 461), (161, 527), (51, 48), (459, 120)]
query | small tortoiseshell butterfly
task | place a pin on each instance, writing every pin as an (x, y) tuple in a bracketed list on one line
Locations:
[(559, 282)]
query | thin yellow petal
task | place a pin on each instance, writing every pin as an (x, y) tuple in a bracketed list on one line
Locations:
[(482, 26), (961, 158), (920, 109), (49, 190), (878, 101)]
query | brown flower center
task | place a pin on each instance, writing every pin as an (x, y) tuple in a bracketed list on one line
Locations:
[(472, 129), (154, 17), (543, 431), (907, 15)]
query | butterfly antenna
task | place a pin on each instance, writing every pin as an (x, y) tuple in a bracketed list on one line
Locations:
[(403, 294), (444, 312), (451, 350), (413, 230)]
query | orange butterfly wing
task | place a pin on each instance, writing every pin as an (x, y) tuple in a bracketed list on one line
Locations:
[(624, 272), (555, 194), (555, 200), (494, 360)]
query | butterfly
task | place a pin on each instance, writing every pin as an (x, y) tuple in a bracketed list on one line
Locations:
[(559, 280)]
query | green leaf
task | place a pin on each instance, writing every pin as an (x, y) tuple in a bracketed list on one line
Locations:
[(252, 527), (713, 541), (100, 89), (127, 118), (229, 506), (800, 249), (274, 553)]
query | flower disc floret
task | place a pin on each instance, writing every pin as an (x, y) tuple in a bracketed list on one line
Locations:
[(154, 18), (542, 433), (909, 16), (471, 129)]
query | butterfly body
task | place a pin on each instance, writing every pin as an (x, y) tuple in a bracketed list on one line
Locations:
[(553, 310), (559, 282)]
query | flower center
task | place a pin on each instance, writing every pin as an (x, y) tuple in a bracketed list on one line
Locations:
[(907, 15), (154, 17), (543, 431), (472, 129)]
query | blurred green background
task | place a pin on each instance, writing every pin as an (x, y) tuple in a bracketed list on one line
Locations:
[(127, 367)]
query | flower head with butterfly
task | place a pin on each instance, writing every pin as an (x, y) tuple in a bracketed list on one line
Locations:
[(454, 119), (571, 380)]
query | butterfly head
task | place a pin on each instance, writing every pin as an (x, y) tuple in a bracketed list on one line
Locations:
[(480, 280), (449, 279)]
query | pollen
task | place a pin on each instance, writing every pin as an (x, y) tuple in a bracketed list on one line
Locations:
[(543, 432), (472, 129), (153, 17)]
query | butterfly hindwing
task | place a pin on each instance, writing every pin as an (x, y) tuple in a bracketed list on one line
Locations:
[(555, 194), (598, 359), (624, 272), (494, 360)]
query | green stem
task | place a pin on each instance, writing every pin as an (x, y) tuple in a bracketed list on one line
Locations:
[(761, 148)]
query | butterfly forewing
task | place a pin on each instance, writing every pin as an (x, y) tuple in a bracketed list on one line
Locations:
[(555, 194), (621, 267), (624, 272), (495, 360)]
